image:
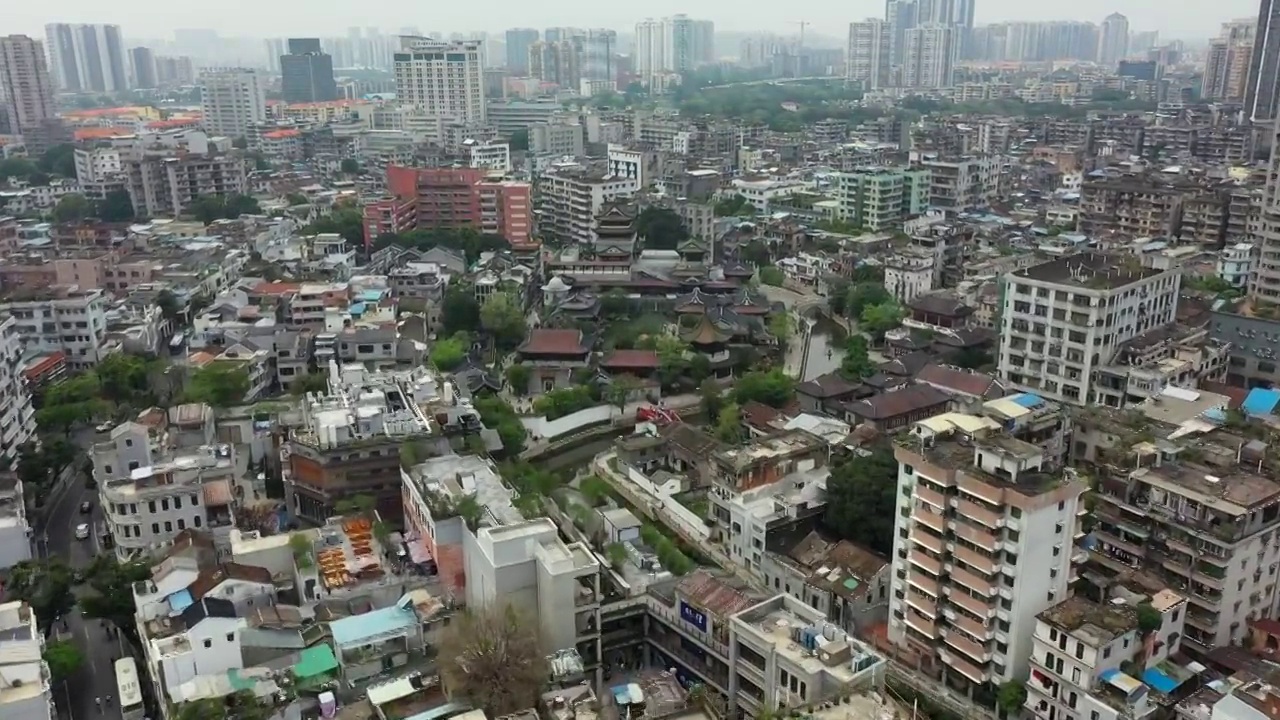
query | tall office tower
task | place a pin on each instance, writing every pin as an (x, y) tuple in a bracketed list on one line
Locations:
[(930, 56), (556, 34), (868, 53), (231, 101), (1113, 39), (25, 87), (87, 57), (557, 62), (902, 16), (704, 34), (143, 63), (276, 47), (518, 42), (650, 46), (1228, 61), (599, 48), (1141, 42), (444, 78), (306, 72), (936, 12), (1264, 67), (175, 70)]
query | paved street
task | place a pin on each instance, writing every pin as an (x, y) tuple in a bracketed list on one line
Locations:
[(96, 678)]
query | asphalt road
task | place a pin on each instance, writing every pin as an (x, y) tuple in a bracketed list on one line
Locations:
[(96, 677)]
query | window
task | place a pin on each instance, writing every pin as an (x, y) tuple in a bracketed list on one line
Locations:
[(231, 637), (208, 643), (1075, 675), (106, 469), (151, 506), (1106, 652), (196, 521), (182, 524), (164, 503), (128, 442), (168, 526), (803, 691), (195, 500), (177, 503), (155, 528)]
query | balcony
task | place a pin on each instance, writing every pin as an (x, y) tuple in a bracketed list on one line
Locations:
[(973, 627), (927, 541), (970, 649), (959, 664), (984, 563), (969, 509), (963, 578), (922, 625), (929, 519), (922, 603), (977, 606), (931, 497), (921, 560), (981, 538), (926, 584)]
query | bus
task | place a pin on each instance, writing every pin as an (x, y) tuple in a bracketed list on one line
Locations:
[(130, 692)]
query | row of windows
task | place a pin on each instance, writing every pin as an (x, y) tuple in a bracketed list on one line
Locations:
[(136, 530)]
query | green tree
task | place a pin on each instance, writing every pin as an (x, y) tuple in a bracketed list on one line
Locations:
[(564, 401), (856, 364), (971, 358), (240, 705), (729, 424), (18, 167), (64, 658), (756, 253), (503, 318), (620, 389), (449, 353), (73, 207), (662, 229), (595, 490), (734, 206), (116, 206), (59, 160), (495, 413), (518, 378), (879, 319), (712, 400), (345, 221), (519, 140), (312, 382), (1149, 619), (770, 275), (170, 306), (111, 590), (1011, 697), (862, 499), (615, 304), (460, 311), (296, 199), (863, 295), (773, 388), (240, 143), (45, 586), (350, 166), (123, 378), (218, 384), (492, 659)]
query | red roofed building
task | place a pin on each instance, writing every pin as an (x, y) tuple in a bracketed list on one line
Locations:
[(552, 355), (284, 143), (45, 370), (641, 363)]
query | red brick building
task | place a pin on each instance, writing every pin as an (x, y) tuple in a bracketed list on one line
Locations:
[(452, 198)]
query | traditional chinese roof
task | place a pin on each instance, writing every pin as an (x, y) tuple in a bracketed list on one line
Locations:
[(706, 333), (631, 359), (544, 341), (694, 302)]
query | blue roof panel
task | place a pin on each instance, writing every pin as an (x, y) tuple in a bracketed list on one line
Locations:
[(181, 600), (359, 629), (1028, 400), (1261, 401), (1161, 682)]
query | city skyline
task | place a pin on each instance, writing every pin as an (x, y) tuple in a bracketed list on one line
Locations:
[(1192, 22)]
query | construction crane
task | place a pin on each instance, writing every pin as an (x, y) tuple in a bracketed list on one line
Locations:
[(800, 47), (803, 24)]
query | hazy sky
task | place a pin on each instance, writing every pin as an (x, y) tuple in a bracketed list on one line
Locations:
[(152, 19)]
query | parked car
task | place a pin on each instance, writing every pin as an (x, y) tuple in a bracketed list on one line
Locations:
[(82, 531)]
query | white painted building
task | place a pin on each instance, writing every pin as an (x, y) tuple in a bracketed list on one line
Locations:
[(760, 191), (17, 417), (231, 101), (491, 155), (63, 318), (572, 195), (1236, 264), (984, 541), (26, 686), (1065, 318), (627, 163), (445, 78), (908, 275), (1079, 647), (150, 493)]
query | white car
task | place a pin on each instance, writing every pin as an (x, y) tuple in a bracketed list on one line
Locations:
[(82, 531)]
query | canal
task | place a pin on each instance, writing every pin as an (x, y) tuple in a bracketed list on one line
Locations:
[(826, 349)]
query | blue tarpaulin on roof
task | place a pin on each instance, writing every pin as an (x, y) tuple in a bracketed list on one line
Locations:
[(1161, 682), (1261, 401), (1028, 400)]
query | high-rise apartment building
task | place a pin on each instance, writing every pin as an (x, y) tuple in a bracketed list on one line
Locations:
[(1266, 232), (599, 48), (901, 15), (142, 65), (650, 46), (558, 62), (867, 58), (25, 87), (1228, 61), (1113, 39), (518, 42), (231, 101), (986, 527), (929, 57), (1064, 319), (87, 58), (1264, 67), (444, 78), (306, 72)]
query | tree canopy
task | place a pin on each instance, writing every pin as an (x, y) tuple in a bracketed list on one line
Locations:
[(763, 104), (218, 384), (734, 205), (662, 229), (64, 658), (449, 353), (495, 413), (345, 221), (111, 590), (862, 499), (208, 208), (72, 207), (770, 275), (856, 364), (460, 311), (502, 316), (492, 658), (116, 206), (773, 388), (45, 586)]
